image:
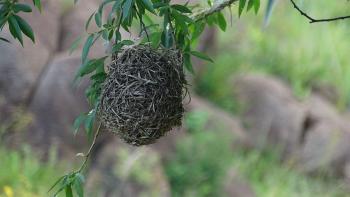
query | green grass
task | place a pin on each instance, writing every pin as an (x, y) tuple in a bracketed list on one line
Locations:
[(24, 175), (300, 53), (269, 178)]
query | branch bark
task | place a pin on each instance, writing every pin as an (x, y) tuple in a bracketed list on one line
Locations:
[(209, 11)]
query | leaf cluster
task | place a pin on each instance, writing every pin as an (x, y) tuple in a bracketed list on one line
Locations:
[(70, 184), (10, 11)]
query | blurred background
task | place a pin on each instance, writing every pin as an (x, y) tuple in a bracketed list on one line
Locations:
[(269, 118)]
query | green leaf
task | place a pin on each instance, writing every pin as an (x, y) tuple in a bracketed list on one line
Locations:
[(126, 9), (78, 121), (90, 66), (148, 5), (201, 56), (37, 3), (116, 48), (89, 122), (19, 7), (88, 21), (57, 182), (69, 192), (167, 39), (222, 21), (15, 30), (269, 8), (75, 44), (250, 4), (188, 63), (198, 28), (88, 43), (98, 19), (78, 184), (25, 27), (181, 8), (256, 6), (241, 7)]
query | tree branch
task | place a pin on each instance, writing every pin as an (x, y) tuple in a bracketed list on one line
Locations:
[(209, 11), (313, 20)]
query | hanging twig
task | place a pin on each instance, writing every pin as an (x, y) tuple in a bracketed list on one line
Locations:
[(313, 20)]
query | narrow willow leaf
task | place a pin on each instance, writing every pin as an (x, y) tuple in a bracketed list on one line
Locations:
[(126, 9), (188, 63), (222, 21), (15, 30), (181, 8), (89, 122), (69, 192), (75, 44), (25, 27), (241, 6), (148, 5), (88, 22), (78, 184), (19, 7), (250, 4), (269, 8), (78, 121), (201, 56), (88, 43), (98, 19), (256, 6), (57, 182), (37, 3), (90, 66)]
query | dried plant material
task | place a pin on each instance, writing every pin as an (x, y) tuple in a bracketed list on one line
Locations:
[(142, 96)]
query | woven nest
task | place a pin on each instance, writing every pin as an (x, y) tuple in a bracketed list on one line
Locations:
[(142, 96)]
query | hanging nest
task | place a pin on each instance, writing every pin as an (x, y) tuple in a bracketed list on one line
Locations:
[(143, 93)]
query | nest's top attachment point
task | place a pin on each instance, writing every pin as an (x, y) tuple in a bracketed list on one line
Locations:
[(143, 93)]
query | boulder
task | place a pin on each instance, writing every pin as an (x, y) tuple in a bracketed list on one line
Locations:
[(325, 143), (123, 170), (235, 186), (20, 68), (218, 119), (311, 134), (55, 106), (271, 114)]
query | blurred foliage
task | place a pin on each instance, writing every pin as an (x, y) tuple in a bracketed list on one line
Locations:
[(305, 55), (268, 178), (22, 174), (200, 162)]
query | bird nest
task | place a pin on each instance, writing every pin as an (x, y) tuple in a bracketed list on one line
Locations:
[(143, 93)]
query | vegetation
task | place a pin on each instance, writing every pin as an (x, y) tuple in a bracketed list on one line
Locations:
[(203, 159), (23, 174), (320, 61)]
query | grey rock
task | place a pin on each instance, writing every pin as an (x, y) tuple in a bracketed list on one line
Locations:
[(271, 115)]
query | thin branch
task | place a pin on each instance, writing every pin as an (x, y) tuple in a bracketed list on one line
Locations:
[(87, 155), (209, 11), (313, 20)]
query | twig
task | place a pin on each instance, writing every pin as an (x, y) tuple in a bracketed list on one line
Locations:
[(313, 20), (87, 155), (209, 11)]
